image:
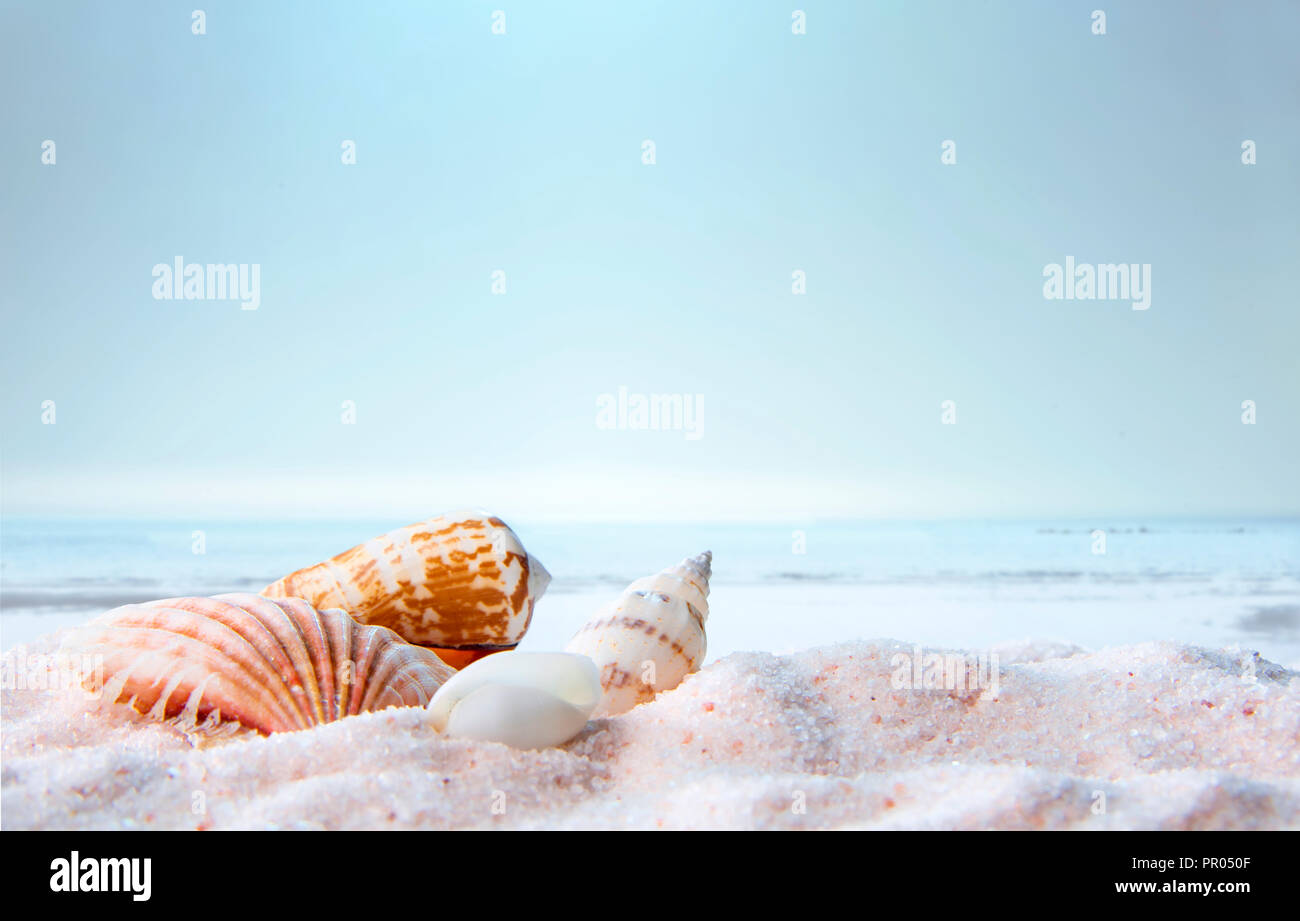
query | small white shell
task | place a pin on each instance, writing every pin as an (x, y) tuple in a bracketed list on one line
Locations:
[(650, 637), (520, 699)]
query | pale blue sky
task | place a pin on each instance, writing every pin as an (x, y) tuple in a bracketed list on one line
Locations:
[(775, 152)]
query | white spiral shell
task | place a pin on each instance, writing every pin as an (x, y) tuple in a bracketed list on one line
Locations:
[(651, 637)]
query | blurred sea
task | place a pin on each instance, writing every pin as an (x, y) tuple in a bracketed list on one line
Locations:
[(968, 584)]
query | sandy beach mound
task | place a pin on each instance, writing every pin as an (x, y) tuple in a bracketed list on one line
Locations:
[(1147, 736)]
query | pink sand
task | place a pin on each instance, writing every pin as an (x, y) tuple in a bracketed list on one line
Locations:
[(1173, 736)]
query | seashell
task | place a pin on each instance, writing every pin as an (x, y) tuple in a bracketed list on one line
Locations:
[(651, 637), (210, 665), (460, 582), (520, 699)]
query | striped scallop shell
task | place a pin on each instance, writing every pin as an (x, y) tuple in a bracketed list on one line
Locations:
[(213, 664), (651, 637), (461, 581)]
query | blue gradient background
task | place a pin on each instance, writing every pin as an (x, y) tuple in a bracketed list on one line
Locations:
[(775, 152)]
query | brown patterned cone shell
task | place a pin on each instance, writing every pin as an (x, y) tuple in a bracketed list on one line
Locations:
[(460, 581)]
